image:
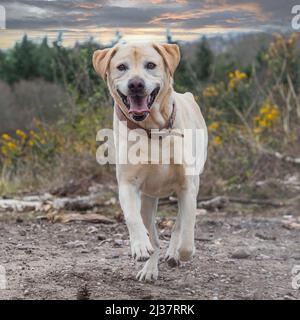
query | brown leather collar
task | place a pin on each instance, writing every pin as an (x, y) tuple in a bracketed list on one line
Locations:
[(134, 125)]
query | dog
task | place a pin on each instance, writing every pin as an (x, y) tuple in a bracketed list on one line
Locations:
[(140, 80)]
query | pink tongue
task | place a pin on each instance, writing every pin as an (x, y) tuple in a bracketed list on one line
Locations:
[(138, 104)]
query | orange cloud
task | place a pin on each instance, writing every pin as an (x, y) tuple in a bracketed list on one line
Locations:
[(88, 5), (253, 8)]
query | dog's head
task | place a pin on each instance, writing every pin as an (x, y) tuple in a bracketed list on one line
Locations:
[(137, 75)]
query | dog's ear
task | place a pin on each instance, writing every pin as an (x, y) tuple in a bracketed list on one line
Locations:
[(170, 54), (101, 60)]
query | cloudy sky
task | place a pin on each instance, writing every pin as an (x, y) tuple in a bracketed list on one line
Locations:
[(140, 20)]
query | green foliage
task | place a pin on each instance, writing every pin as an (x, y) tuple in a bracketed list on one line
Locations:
[(71, 67), (204, 61), (184, 80)]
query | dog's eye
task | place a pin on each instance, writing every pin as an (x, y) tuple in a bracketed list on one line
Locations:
[(122, 67), (150, 65)]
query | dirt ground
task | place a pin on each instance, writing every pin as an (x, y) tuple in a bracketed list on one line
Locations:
[(238, 256)]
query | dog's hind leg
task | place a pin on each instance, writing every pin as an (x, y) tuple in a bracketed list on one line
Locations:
[(148, 211), (187, 200), (172, 256), (181, 245)]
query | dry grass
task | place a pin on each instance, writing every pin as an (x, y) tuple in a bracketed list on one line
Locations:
[(27, 100)]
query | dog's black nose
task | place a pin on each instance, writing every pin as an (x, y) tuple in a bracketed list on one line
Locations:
[(136, 85)]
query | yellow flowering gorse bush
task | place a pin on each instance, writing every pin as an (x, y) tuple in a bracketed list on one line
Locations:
[(24, 146), (267, 117), (213, 130), (235, 78)]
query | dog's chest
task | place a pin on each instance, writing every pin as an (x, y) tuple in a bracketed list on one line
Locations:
[(160, 180)]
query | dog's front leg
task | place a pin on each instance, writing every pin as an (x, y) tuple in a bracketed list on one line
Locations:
[(149, 207), (130, 201)]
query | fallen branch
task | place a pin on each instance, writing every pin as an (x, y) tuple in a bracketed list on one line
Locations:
[(173, 200), (257, 201), (88, 217), (281, 156), (215, 203), (90, 202), (36, 203), (219, 202), (19, 205), (78, 203)]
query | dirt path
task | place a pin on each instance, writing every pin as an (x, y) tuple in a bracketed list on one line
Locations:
[(237, 258)]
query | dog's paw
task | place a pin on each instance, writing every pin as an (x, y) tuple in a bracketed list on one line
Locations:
[(149, 273), (141, 250), (172, 258), (173, 262)]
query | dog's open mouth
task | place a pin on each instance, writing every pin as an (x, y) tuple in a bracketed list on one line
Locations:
[(139, 106)]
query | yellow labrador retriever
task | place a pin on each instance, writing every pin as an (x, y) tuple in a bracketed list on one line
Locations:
[(140, 79)]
